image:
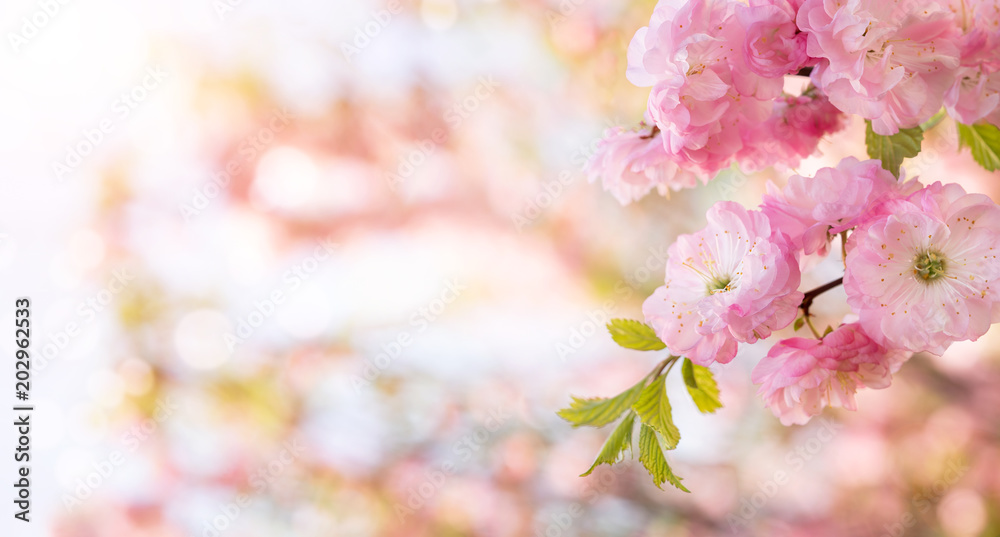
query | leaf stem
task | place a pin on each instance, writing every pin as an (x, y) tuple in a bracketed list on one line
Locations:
[(934, 120), (809, 323), (670, 360)]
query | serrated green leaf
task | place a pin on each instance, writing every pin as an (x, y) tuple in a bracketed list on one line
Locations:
[(702, 387), (799, 323), (653, 409), (651, 456), (600, 411), (984, 141), (891, 150), (634, 335), (617, 444)]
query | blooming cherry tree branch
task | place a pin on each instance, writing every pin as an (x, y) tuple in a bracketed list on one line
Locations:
[(920, 261)]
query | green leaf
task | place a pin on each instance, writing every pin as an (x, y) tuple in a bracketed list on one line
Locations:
[(634, 335), (702, 387), (798, 323), (653, 409), (600, 411), (617, 444), (984, 140), (828, 330), (651, 456), (891, 150)]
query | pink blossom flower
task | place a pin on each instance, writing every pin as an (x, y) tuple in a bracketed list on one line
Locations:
[(975, 92), (734, 281), (773, 46), (890, 62), (974, 95), (703, 93), (922, 274), (698, 120), (631, 163), (793, 132), (801, 376), (812, 209), (682, 37)]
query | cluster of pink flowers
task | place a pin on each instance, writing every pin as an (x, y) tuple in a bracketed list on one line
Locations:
[(717, 68), (920, 271)]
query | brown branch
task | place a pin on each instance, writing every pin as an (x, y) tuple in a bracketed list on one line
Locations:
[(809, 296), (652, 133)]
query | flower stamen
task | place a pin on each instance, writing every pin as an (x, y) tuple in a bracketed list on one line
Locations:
[(929, 266), (719, 284)]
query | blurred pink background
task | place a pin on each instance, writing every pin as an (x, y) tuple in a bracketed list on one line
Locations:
[(309, 268)]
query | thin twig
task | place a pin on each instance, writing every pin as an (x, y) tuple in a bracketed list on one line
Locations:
[(843, 247), (809, 296), (652, 133)]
